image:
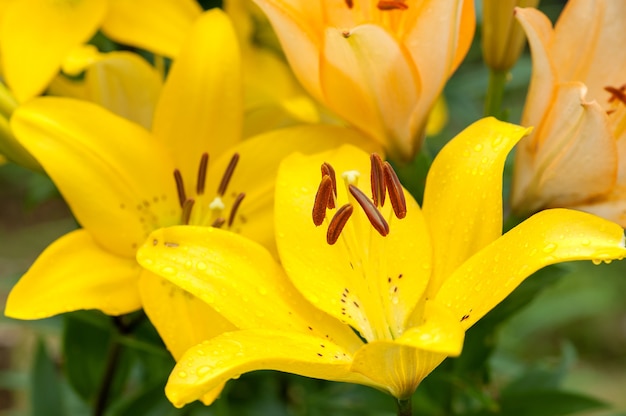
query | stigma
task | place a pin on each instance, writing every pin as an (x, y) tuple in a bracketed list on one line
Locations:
[(385, 186), (209, 208)]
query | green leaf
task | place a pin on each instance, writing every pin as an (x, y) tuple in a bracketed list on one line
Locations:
[(547, 403), (46, 390)]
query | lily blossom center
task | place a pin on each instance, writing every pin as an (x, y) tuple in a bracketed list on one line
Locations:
[(360, 237), (210, 210), (386, 13)]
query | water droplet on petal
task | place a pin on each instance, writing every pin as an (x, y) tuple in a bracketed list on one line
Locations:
[(201, 266), (182, 374), (478, 147), (549, 248), (202, 371), (167, 270)]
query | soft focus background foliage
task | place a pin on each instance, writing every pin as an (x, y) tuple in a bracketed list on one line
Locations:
[(557, 346)]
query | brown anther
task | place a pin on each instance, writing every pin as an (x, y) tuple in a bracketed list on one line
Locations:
[(396, 193), (616, 93), (337, 223), (204, 164), (187, 206), (392, 5), (377, 180), (233, 210), (218, 222), (346, 34), (350, 4), (373, 215), (327, 169), (324, 193), (228, 174), (180, 187)]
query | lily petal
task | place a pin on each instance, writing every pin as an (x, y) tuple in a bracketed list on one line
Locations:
[(217, 360), (338, 278), (156, 25), (368, 79), (75, 273), (36, 35), (181, 319), (551, 236), (218, 266), (116, 178), (205, 76), (463, 195), (577, 160), (397, 367)]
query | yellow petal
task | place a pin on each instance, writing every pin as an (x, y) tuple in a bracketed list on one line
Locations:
[(255, 175), (438, 117), (181, 319), (217, 360), (363, 279), (463, 195), (570, 158), (397, 367), (37, 34), (116, 178), (201, 109), (159, 26), (549, 237), (438, 330), (125, 84), (75, 273), (219, 267)]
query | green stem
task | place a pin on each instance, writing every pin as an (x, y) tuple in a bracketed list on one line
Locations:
[(107, 379), (495, 93), (404, 407)]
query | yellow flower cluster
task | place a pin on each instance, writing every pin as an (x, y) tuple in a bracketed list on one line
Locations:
[(255, 219)]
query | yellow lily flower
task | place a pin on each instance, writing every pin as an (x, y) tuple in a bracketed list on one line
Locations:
[(408, 281), (37, 35), (576, 102), (378, 64), (122, 181)]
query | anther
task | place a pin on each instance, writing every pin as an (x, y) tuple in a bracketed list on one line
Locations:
[(218, 222), (180, 187), (233, 210), (392, 5), (187, 206), (337, 223), (324, 193), (350, 4), (373, 215), (228, 174), (377, 180), (327, 169), (204, 164), (396, 193), (616, 93)]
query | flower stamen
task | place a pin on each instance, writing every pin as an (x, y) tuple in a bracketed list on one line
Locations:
[(373, 215), (349, 3), (187, 207), (392, 5), (180, 187), (235, 207), (327, 169), (337, 223), (228, 174), (378, 181), (396, 193), (202, 169), (322, 200), (218, 222)]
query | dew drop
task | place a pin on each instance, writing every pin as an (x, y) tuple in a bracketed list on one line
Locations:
[(394, 300), (478, 147), (148, 262), (549, 248), (188, 264), (496, 142), (182, 374), (202, 371), (167, 270), (596, 261), (201, 266)]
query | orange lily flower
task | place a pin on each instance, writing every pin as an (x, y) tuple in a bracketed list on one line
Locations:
[(375, 63), (576, 102)]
